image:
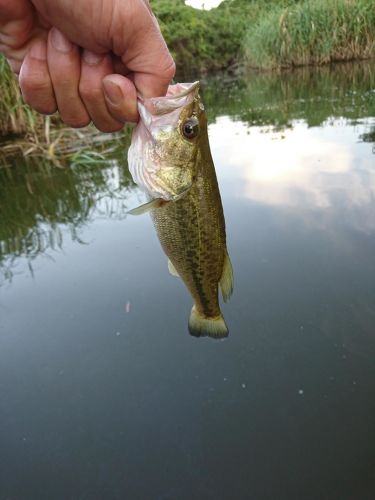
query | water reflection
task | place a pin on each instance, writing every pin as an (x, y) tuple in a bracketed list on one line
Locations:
[(100, 384), (303, 141), (40, 204), (303, 168), (311, 94)]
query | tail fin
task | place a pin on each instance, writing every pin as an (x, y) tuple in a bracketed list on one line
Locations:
[(200, 326)]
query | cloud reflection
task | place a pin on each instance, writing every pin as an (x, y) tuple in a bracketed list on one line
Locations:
[(307, 168)]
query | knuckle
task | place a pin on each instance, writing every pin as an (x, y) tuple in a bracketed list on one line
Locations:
[(90, 93), (170, 70), (34, 83)]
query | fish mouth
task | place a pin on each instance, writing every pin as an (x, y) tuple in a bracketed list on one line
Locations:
[(186, 89), (175, 91), (178, 96)]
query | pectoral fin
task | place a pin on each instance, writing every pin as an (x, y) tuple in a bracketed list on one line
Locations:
[(172, 269), (150, 205), (226, 280)]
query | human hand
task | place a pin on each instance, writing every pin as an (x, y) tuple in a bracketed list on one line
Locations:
[(85, 58)]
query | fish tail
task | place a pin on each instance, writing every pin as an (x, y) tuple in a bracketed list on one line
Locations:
[(202, 326)]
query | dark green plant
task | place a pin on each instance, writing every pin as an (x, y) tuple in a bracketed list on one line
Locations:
[(312, 32)]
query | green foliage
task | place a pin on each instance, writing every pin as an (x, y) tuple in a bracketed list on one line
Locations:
[(263, 33), (312, 32), (202, 41)]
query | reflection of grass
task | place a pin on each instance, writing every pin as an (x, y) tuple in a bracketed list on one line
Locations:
[(37, 200), (312, 32), (368, 136), (310, 94)]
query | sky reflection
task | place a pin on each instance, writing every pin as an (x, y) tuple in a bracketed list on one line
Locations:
[(325, 168)]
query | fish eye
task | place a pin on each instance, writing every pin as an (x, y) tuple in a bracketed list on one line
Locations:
[(190, 128)]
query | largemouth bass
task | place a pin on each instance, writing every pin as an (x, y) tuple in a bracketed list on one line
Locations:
[(170, 159)]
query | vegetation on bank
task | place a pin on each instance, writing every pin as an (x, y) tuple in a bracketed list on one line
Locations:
[(26, 132), (266, 33), (312, 32), (203, 41), (256, 33)]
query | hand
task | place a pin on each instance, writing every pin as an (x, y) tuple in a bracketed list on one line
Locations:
[(85, 58)]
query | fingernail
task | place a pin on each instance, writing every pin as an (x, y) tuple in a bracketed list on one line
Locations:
[(92, 57), (113, 92), (39, 50), (60, 42)]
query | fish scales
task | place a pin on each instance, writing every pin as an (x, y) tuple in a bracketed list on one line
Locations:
[(170, 159), (196, 248)]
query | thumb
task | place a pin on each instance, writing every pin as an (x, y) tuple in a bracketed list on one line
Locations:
[(121, 98)]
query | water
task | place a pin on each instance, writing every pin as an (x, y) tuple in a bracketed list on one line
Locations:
[(104, 395)]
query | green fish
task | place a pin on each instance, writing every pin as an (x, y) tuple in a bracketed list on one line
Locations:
[(170, 159)]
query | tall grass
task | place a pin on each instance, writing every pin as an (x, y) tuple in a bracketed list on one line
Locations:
[(15, 117), (32, 135), (312, 32)]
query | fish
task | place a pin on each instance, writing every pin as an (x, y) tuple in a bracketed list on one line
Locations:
[(170, 160)]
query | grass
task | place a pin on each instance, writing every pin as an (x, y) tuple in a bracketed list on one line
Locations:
[(15, 117), (312, 32), (62, 145), (27, 133)]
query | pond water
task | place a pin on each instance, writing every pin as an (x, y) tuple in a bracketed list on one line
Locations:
[(105, 395)]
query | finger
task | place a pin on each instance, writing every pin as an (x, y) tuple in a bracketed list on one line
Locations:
[(121, 98), (65, 69), (94, 67), (35, 81), (16, 22), (118, 66), (148, 57)]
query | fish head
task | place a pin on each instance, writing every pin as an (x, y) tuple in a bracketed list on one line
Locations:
[(164, 151)]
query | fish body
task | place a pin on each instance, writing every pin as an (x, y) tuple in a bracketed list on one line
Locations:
[(178, 174)]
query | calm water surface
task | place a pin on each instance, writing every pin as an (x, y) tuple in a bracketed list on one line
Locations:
[(105, 396)]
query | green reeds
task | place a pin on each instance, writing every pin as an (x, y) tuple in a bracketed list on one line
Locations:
[(15, 117), (312, 32), (27, 133)]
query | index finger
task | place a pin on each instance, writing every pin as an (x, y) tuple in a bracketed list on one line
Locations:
[(147, 55), (16, 22)]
